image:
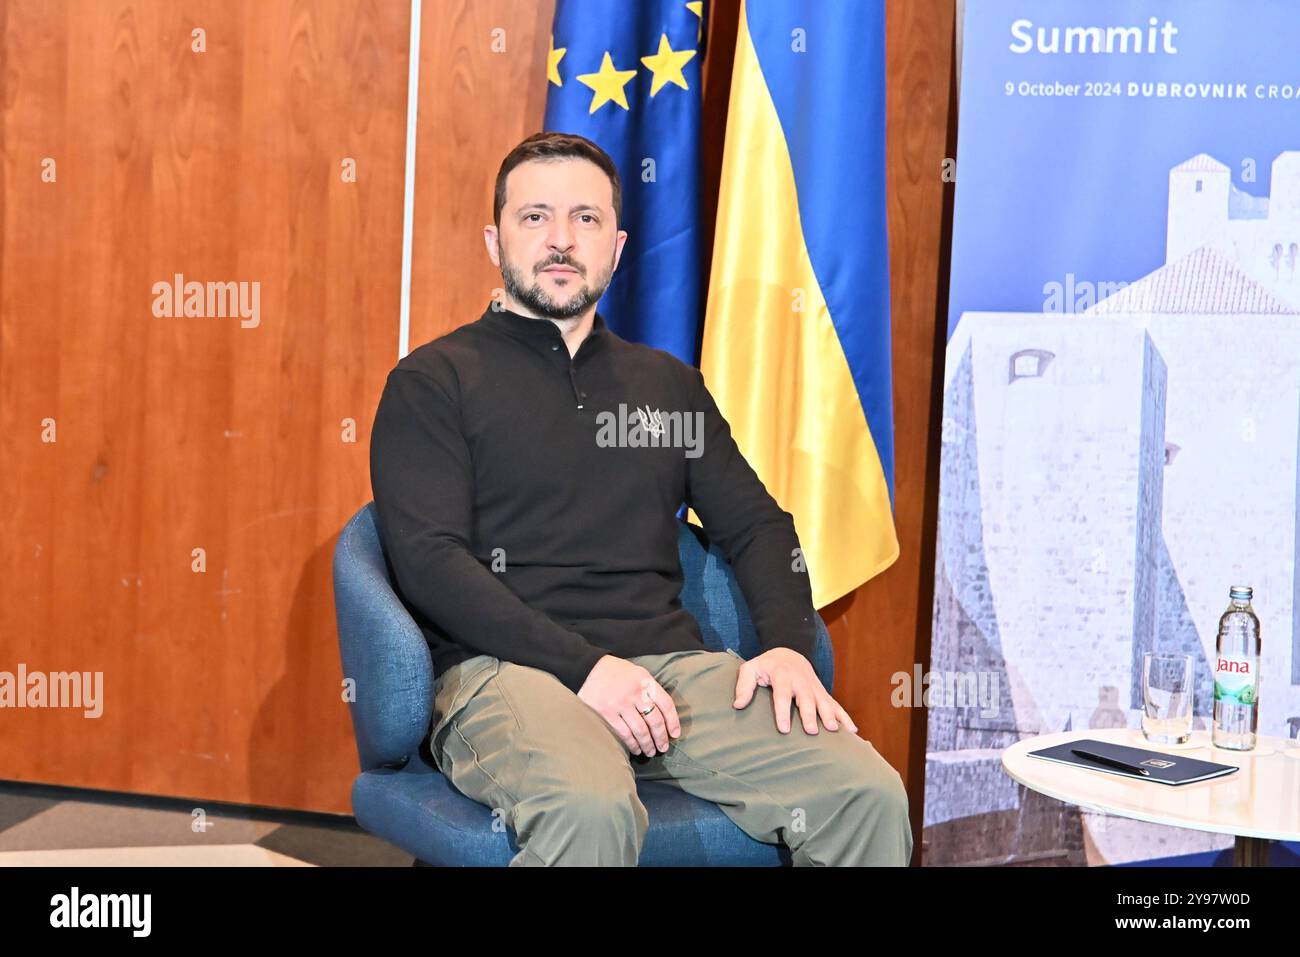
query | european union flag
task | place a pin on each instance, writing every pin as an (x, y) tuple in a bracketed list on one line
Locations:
[(626, 75)]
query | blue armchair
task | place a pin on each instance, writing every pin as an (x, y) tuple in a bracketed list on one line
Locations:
[(401, 796)]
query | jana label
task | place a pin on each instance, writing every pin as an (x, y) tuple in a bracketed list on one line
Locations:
[(1234, 679)]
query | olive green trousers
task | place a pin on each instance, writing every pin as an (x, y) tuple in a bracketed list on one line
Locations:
[(515, 739)]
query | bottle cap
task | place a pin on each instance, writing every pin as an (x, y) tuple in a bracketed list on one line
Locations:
[(1241, 592)]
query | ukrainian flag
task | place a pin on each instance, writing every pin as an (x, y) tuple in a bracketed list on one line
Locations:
[(796, 347), (626, 75)]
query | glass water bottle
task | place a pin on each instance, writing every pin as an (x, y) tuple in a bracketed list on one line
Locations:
[(1236, 674)]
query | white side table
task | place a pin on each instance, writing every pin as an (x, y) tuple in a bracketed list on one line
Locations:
[(1259, 804)]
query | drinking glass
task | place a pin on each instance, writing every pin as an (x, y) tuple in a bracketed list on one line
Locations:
[(1167, 688)]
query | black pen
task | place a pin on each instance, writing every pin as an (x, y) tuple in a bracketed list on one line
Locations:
[(1111, 762)]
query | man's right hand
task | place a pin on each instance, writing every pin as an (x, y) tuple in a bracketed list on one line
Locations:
[(619, 690)]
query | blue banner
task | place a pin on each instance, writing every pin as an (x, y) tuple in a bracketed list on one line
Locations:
[(1121, 424)]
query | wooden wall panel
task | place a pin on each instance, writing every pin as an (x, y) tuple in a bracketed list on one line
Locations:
[(482, 90), (884, 626), (182, 433)]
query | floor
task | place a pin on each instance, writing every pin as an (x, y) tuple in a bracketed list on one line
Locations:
[(43, 826)]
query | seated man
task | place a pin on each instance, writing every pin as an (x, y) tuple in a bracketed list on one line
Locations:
[(530, 522)]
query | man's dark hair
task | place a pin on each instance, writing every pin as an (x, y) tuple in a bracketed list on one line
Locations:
[(553, 146)]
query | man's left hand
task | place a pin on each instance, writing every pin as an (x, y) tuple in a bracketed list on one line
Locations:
[(791, 677)]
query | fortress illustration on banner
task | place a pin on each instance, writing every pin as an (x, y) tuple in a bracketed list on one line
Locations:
[(1106, 475)]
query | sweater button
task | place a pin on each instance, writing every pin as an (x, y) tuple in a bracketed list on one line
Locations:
[(555, 348)]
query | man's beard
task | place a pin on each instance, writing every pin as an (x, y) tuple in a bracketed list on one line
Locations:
[(536, 299)]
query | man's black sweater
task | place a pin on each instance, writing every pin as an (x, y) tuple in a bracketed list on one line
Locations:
[(522, 519)]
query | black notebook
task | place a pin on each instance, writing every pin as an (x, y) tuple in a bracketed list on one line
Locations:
[(1163, 767)]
